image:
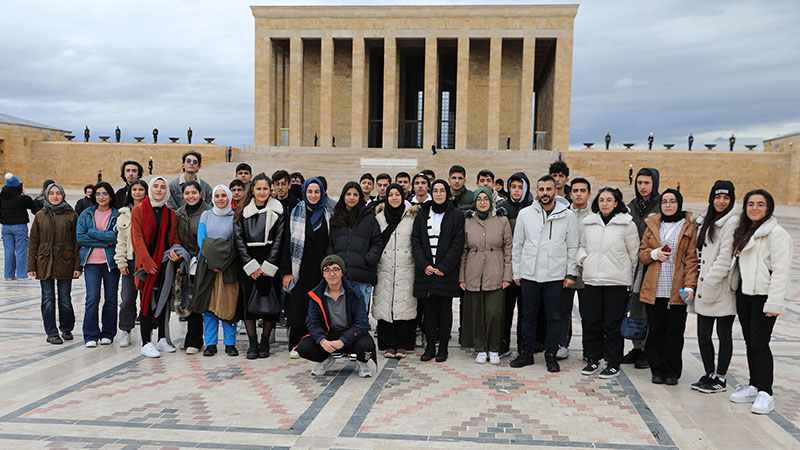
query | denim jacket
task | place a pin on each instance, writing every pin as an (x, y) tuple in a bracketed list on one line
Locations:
[(90, 237)]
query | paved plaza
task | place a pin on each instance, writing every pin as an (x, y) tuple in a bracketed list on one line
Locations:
[(68, 396)]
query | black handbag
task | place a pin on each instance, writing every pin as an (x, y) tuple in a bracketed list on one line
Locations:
[(634, 329), (262, 304)]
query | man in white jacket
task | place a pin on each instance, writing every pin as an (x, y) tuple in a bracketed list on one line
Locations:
[(546, 240)]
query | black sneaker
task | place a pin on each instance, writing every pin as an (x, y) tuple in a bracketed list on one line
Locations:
[(67, 335), (609, 372), (713, 386), (641, 362), (591, 368), (632, 356), (522, 360), (211, 350), (552, 364), (703, 380)]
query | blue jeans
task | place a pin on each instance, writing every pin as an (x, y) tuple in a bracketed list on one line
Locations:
[(15, 246), (366, 292), (533, 294), (66, 314), (211, 330), (95, 274)]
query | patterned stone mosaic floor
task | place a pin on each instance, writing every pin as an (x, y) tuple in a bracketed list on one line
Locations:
[(112, 398)]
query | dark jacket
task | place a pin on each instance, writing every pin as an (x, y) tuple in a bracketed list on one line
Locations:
[(249, 234), (317, 319), (448, 253), (82, 204), (360, 246), (53, 246), (187, 227), (218, 254), (14, 206), (464, 200), (654, 202), (121, 195), (512, 208)]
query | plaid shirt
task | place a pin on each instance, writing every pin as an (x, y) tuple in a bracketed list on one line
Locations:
[(670, 235)]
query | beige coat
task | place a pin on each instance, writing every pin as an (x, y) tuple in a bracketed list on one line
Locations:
[(486, 259), (607, 253), (393, 296), (685, 272), (714, 297), (124, 249)]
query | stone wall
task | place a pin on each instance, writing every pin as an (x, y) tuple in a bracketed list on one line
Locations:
[(477, 96), (510, 96), (783, 144), (342, 91), (16, 142)]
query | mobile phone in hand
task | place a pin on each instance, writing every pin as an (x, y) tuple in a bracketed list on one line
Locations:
[(666, 248)]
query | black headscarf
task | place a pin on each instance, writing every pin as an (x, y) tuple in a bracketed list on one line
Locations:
[(393, 215), (436, 207), (679, 213)]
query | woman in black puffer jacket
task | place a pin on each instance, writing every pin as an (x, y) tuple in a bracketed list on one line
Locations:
[(356, 238)]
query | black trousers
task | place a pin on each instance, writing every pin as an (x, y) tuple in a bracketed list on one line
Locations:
[(534, 295), (146, 327), (513, 298), (438, 318), (363, 347), (757, 331), (396, 335), (664, 345), (566, 314), (602, 309), (194, 331), (705, 326), (295, 334)]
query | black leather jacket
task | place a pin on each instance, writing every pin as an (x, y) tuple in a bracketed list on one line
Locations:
[(250, 229)]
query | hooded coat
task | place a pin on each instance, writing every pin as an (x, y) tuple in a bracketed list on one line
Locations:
[(654, 205), (545, 245), (512, 208), (714, 297), (14, 206), (53, 246), (393, 297), (359, 246), (486, 258)]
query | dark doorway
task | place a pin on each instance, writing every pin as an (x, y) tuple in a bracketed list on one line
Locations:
[(374, 48), (448, 64), (411, 57)]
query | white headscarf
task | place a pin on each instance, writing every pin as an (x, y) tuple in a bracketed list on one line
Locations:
[(227, 208), (153, 202)]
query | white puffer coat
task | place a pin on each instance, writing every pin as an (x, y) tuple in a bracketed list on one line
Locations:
[(608, 253), (123, 252), (714, 297), (545, 245), (764, 265), (393, 296)]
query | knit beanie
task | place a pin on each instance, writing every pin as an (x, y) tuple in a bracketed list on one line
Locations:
[(11, 180), (722, 187), (332, 259)]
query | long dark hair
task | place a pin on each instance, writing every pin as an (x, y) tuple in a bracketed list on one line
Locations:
[(250, 194), (108, 189), (128, 196), (341, 216), (747, 227), (48, 183), (708, 229), (620, 208)]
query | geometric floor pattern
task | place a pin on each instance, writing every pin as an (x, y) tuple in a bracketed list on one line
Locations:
[(112, 398)]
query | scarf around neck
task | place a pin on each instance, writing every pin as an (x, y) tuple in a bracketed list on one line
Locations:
[(317, 210), (59, 208), (153, 231)]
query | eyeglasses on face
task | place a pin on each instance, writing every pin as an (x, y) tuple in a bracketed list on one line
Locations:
[(101, 194), (192, 162), (331, 270)]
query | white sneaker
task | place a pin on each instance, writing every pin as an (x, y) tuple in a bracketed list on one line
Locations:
[(746, 394), (323, 367), (163, 346), (494, 358), (294, 355), (562, 353), (105, 341), (365, 368), (764, 404), (242, 328), (192, 350), (124, 338), (149, 350), (481, 358), (90, 344)]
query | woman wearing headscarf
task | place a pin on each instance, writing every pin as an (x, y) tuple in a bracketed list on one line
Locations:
[(485, 273), (760, 271), (126, 261), (716, 301), (437, 241), (258, 234), (217, 259), (53, 260), (154, 230), (668, 248), (304, 250), (394, 305), (96, 233)]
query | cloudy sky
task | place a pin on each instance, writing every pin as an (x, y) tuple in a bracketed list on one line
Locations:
[(667, 66)]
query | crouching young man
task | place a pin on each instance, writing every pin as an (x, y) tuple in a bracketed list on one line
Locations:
[(337, 322)]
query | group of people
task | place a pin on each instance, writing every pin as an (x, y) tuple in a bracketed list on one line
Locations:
[(399, 250)]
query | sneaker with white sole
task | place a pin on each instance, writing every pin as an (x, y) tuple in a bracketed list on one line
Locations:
[(294, 355), (163, 346), (609, 372), (746, 394), (90, 344), (591, 368), (323, 367), (149, 350), (494, 358), (505, 354), (105, 341), (365, 369), (562, 353), (713, 385), (764, 404), (242, 328), (192, 350), (481, 358), (124, 338)]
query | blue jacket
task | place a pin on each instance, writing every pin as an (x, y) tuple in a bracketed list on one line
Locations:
[(90, 237), (317, 319)]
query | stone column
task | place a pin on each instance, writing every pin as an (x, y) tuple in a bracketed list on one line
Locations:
[(526, 94), (358, 111), (390, 90), (430, 112), (264, 90), (325, 91), (296, 91), (462, 91), (562, 88), (493, 119)]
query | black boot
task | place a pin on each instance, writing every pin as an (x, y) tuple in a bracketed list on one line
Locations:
[(211, 350), (552, 363), (441, 355), (430, 350), (263, 347), (252, 350), (231, 350)]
